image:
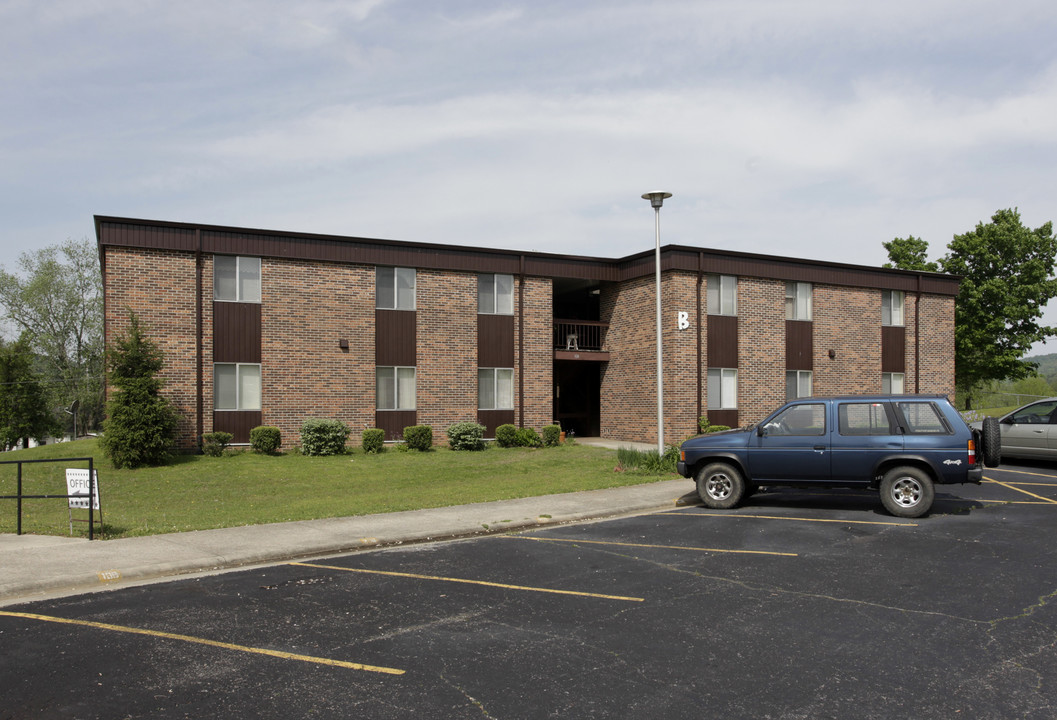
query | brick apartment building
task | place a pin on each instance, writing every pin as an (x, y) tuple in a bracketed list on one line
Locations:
[(270, 328)]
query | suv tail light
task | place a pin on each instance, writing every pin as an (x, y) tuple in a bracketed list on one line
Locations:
[(972, 452)]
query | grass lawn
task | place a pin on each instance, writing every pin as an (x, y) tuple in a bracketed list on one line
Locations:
[(197, 492)]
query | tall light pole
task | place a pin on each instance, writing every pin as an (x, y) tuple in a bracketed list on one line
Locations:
[(656, 199)]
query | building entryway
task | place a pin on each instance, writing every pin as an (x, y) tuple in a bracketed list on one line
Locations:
[(577, 397)]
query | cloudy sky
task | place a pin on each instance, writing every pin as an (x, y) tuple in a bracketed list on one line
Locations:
[(810, 128)]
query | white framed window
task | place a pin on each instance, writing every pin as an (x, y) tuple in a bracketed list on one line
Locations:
[(237, 386), (797, 384), (798, 301), (495, 294), (722, 389), (236, 279), (722, 294), (395, 288), (892, 307), (495, 388), (395, 388), (892, 383)]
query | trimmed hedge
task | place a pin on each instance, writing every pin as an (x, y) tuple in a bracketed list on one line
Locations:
[(320, 436), (552, 435), (466, 436), (527, 437), (419, 437), (265, 439), (373, 440), (214, 443), (506, 436)]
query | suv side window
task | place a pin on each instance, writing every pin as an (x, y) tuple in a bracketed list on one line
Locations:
[(923, 418), (864, 419), (809, 419)]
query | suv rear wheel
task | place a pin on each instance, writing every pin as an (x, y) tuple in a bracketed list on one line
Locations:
[(907, 492), (720, 485)]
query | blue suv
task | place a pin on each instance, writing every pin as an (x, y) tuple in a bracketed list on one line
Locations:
[(901, 445)]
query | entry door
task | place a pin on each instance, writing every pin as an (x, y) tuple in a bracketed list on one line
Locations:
[(793, 445)]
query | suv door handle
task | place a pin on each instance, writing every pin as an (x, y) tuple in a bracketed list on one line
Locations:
[(820, 447)]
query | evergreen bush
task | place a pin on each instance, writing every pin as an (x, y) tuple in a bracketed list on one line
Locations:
[(215, 443), (527, 437), (373, 440), (141, 424), (265, 439), (320, 436), (552, 435), (466, 436), (419, 437), (506, 436)]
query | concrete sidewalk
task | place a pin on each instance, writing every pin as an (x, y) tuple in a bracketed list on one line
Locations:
[(35, 566)]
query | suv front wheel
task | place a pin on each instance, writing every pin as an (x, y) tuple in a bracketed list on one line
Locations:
[(907, 492), (720, 485)]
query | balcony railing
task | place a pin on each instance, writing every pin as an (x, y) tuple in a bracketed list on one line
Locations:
[(580, 335)]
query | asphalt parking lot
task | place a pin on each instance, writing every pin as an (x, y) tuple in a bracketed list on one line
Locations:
[(800, 604)]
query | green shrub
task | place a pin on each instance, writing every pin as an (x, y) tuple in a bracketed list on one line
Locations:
[(373, 440), (320, 436), (506, 436), (214, 443), (648, 461), (265, 439), (419, 437), (466, 436), (527, 437), (552, 435), (705, 426)]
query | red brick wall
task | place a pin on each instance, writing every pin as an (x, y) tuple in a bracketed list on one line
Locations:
[(447, 350), (539, 353), (761, 347), (847, 321)]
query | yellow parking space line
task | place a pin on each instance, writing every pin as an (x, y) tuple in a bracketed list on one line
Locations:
[(645, 545), (797, 519), (203, 641), (471, 582), (1031, 494), (1025, 472)]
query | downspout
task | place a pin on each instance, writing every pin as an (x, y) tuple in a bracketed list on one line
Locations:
[(700, 278), (521, 341), (199, 411), (917, 339)]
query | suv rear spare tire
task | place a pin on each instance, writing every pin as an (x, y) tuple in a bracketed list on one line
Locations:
[(907, 492), (991, 442)]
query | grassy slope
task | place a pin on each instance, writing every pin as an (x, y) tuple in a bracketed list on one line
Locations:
[(198, 492)]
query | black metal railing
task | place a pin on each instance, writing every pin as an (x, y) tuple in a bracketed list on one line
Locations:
[(580, 335), (92, 489)]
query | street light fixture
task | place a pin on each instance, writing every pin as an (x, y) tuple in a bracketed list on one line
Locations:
[(657, 199)]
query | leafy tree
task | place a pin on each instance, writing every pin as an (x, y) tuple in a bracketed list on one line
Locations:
[(141, 424), (1007, 279), (909, 254), (58, 299), (24, 410)]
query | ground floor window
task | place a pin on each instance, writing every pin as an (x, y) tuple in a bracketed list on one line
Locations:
[(722, 389), (237, 386), (495, 388), (395, 388), (892, 383), (797, 384)]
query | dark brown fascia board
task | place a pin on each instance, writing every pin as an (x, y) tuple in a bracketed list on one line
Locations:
[(334, 248)]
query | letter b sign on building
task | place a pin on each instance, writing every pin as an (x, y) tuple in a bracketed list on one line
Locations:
[(684, 320)]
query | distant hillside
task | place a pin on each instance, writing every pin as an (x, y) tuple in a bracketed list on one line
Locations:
[(1047, 364)]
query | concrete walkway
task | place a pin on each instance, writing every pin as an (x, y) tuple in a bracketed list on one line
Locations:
[(34, 566)]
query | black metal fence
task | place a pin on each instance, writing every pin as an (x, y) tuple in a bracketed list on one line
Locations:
[(92, 489)]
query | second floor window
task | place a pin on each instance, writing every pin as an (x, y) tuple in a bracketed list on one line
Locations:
[(237, 386), (797, 301), (892, 307), (722, 294), (495, 294), (236, 279), (395, 288)]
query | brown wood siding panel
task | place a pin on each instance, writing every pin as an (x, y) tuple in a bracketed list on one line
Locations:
[(237, 422), (394, 422), (893, 349), (799, 345), (722, 341), (395, 338), (491, 419), (306, 246), (723, 417), (495, 341), (236, 332)]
